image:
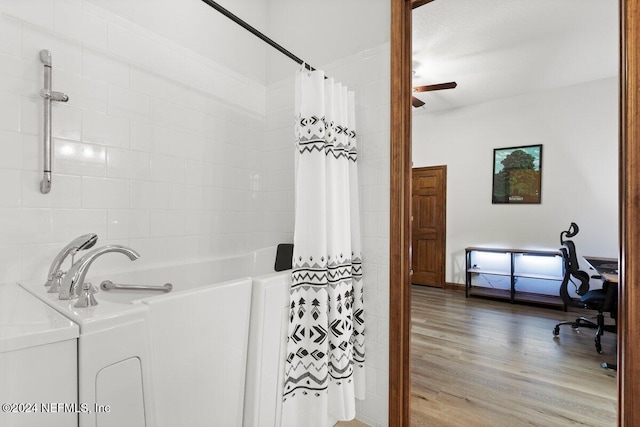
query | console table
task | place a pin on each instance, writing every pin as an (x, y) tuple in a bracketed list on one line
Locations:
[(516, 275)]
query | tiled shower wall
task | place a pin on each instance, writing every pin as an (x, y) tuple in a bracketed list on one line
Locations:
[(367, 73), (158, 148)]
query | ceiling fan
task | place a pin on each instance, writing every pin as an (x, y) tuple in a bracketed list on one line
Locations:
[(428, 88)]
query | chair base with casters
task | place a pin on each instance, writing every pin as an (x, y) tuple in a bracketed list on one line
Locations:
[(584, 322), (601, 300)]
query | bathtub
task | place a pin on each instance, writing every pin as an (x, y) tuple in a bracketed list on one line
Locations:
[(267, 349), (208, 353)]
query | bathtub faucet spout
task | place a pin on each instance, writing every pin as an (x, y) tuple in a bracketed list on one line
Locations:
[(74, 280), (86, 241)]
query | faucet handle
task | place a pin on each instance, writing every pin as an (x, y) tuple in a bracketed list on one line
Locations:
[(56, 282), (86, 298), (86, 241)]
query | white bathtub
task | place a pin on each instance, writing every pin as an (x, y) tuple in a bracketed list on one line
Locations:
[(267, 350), (183, 355)]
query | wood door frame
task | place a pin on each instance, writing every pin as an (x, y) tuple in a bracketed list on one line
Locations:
[(400, 209), (443, 255), (629, 211)]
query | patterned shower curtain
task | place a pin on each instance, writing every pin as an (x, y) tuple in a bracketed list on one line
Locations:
[(324, 370)]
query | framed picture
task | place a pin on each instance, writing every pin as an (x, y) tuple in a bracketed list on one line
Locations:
[(517, 174)]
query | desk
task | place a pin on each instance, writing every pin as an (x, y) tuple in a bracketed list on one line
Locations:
[(605, 267)]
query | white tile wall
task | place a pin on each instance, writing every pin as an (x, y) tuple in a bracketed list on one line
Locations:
[(157, 147), (10, 36)]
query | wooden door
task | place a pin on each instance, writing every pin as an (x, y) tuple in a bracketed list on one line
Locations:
[(428, 228)]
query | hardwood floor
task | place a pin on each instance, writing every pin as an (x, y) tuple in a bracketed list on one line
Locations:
[(478, 362), (352, 423)]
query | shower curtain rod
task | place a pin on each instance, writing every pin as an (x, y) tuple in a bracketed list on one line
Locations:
[(257, 33)]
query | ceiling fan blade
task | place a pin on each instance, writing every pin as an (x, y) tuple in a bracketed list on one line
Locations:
[(416, 102), (440, 86), (418, 3)]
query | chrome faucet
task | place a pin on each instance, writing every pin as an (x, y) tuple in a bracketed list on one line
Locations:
[(86, 241), (73, 282)]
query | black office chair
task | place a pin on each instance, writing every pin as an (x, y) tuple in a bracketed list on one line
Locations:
[(603, 300)]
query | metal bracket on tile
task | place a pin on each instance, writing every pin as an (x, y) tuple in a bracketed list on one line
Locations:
[(48, 95)]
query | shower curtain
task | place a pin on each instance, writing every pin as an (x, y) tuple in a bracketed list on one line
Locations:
[(324, 371)]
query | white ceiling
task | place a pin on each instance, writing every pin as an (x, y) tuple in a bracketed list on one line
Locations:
[(499, 48), (320, 32)]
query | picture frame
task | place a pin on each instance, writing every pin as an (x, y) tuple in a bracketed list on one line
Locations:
[(517, 175)]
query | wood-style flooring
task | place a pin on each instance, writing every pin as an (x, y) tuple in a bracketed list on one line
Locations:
[(478, 362)]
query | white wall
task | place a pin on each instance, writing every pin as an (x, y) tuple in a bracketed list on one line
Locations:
[(201, 29), (578, 127), (321, 32), (157, 148)]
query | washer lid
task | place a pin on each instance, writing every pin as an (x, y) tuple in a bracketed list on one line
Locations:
[(25, 321)]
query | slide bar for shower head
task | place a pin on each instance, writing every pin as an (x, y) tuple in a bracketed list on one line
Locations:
[(48, 95)]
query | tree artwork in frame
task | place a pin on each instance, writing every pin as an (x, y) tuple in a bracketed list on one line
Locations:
[(517, 174)]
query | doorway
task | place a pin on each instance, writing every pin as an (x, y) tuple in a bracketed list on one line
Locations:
[(400, 233), (428, 225)]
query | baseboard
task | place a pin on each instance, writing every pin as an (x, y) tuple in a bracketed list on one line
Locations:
[(446, 285), (453, 286)]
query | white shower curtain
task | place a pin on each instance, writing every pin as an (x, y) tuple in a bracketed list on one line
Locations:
[(324, 370)]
